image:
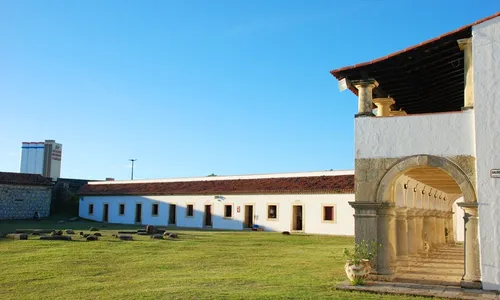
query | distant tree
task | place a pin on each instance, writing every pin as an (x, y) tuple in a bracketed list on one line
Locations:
[(212, 175)]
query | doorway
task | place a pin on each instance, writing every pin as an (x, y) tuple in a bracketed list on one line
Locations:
[(297, 219), (208, 216), (171, 214), (248, 216), (105, 210), (138, 213)]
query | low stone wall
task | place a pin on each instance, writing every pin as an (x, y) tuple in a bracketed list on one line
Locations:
[(22, 201)]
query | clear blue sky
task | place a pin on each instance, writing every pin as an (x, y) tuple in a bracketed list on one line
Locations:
[(194, 87)]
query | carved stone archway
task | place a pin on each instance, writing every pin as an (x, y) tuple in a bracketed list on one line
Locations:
[(384, 208), (384, 189)]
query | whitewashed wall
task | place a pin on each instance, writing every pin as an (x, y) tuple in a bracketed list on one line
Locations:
[(312, 211), (442, 134), (486, 61)]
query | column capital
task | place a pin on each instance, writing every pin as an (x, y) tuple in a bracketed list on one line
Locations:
[(386, 209), (411, 213), (383, 106), (364, 83), (401, 213), (464, 43), (469, 208), (419, 212)]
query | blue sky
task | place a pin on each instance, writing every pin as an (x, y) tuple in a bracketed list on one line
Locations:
[(191, 87)]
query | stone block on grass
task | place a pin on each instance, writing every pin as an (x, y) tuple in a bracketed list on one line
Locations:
[(125, 237), (157, 236), (97, 234), (17, 236), (150, 229), (70, 231), (92, 238)]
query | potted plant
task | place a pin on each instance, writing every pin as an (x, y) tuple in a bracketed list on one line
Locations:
[(358, 264)]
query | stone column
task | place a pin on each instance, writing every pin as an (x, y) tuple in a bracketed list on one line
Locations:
[(451, 227), (365, 223), (412, 232), (472, 274), (442, 220), (427, 227), (466, 46), (386, 233), (383, 106), (365, 88), (402, 236), (433, 228), (419, 223)]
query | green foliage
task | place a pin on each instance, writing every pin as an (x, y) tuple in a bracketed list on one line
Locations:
[(363, 250), (211, 175), (358, 281)]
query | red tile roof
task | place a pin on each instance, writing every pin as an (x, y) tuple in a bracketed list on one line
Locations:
[(337, 71), (23, 179), (341, 184)]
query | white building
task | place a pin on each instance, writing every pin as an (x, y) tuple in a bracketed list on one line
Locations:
[(313, 202), (42, 158), (433, 143)]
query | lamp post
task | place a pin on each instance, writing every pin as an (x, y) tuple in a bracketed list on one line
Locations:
[(132, 175)]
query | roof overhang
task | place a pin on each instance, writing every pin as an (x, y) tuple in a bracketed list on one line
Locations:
[(428, 77)]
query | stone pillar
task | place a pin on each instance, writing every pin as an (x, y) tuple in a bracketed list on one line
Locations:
[(402, 236), (386, 233), (442, 221), (433, 229), (383, 106), (427, 227), (466, 46), (365, 88), (365, 223), (412, 232), (419, 224), (472, 273), (451, 227)]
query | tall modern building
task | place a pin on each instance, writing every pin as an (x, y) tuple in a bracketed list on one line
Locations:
[(41, 158)]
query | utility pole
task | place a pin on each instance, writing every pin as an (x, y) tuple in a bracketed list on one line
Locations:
[(132, 175)]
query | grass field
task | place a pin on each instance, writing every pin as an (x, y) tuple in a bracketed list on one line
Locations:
[(199, 265)]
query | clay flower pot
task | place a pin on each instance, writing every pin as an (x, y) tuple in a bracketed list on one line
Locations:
[(357, 272)]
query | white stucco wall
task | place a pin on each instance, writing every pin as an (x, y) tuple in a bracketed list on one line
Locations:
[(442, 134), (486, 61), (312, 211)]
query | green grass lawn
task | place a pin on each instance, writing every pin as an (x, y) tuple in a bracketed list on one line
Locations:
[(199, 265)]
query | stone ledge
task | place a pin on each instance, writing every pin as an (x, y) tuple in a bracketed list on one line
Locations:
[(414, 289)]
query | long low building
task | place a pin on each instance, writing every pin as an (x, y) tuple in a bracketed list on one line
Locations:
[(312, 202)]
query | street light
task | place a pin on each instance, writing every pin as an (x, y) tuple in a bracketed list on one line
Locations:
[(132, 175)]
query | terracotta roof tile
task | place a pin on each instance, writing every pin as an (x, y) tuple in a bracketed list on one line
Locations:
[(23, 179), (341, 184)]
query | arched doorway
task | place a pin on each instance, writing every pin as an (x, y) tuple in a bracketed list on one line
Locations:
[(413, 217)]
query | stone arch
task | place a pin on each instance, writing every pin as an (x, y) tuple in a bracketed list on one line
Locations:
[(423, 160)]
